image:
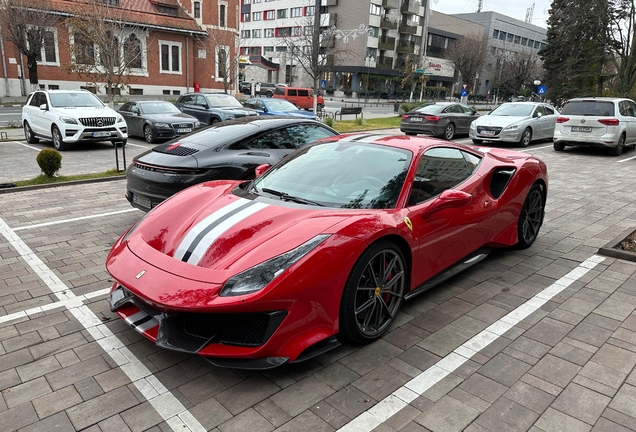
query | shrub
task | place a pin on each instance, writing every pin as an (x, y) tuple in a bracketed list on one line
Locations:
[(329, 121), (408, 106), (359, 121), (50, 161)]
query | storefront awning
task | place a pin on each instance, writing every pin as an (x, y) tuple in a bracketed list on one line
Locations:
[(260, 61)]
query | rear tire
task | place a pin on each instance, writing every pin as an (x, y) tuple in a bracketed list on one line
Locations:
[(58, 143), (410, 133), (449, 132), (558, 146), (28, 134), (269, 94), (526, 137), (531, 217), (373, 293), (620, 146)]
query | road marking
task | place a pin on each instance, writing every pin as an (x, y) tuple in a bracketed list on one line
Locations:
[(161, 399), (136, 145), (400, 398), (625, 160), (26, 145), (536, 148), (25, 227)]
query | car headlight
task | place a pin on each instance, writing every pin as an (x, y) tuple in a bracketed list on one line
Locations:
[(197, 124), (68, 120), (473, 125), (162, 125), (259, 276), (512, 127), (120, 119)]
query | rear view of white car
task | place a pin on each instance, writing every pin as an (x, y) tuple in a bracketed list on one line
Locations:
[(597, 122)]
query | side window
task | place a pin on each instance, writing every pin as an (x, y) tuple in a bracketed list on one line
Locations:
[(249, 105), (291, 92), (466, 109), (471, 160), (126, 106), (259, 105), (135, 108), (304, 93), (186, 99), (626, 109), (537, 110), (35, 100), (455, 109), (305, 134), (633, 105), (200, 100), (439, 169), (548, 110), (276, 139), (279, 91)]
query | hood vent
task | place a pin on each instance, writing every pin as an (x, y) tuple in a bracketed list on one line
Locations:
[(175, 149)]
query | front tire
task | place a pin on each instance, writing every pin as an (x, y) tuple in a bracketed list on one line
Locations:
[(620, 146), (214, 121), (477, 141), (148, 135), (531, 217), (526, 137), (558, 146), (58, 142), (373, 293), (269, 94), (449, 132), (28, 134)]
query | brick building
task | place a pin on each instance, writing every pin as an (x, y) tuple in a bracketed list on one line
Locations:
[(179, 43)]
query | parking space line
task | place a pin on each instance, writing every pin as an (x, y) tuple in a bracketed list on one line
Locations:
[(25, 145), (625, 160), (25, 227), (137, 145), (535, 148), (400, 398), (161, 399)]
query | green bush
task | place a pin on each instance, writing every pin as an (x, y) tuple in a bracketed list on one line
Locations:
[(359, 121), (50, 161), (329, 121), (408, 106)]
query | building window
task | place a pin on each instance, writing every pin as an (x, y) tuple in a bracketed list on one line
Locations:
[(296, 12), (269, 32), (375, 10), (176, 92), (166, 92), (222, 8), (245, 17), (309, 30), (309, 11), (283, 32), (133, 52), (49, 52), (257, 1), (493, 50), (374, 31), (170, 53), (296, 31), (256, 33), (281, 49), (517, 40), (509, 37), (136, 92), (254, 50), (268, 49), (270, 14), (246, 2), (245, 34), (282, 13), (168, 10), (502, 35), (197, 9), (84, 51), (495, 34), (256, 16), (221, 63), (524, 41)]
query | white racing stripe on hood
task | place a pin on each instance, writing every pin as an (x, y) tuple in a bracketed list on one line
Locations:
[(198, 228), (206, 242)]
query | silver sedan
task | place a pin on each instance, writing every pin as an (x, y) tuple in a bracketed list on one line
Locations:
[(516, 122)]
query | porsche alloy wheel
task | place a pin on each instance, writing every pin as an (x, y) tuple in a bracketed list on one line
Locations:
[(373, 293), (531, 217)]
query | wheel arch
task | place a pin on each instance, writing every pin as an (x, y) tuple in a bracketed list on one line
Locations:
[(404, 247)]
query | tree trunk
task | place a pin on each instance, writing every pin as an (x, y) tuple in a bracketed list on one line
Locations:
[(32, 67)]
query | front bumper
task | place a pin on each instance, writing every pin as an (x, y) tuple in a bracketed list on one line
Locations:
[(78, 133), (504, 136)]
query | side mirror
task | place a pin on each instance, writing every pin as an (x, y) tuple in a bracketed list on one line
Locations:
[(43, 107), (450, 198), (265, 109), (538, 115), (260, 170)]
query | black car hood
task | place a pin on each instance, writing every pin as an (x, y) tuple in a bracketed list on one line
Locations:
[(160, 159), (170, 118)]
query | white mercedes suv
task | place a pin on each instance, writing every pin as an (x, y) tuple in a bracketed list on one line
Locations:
[(71, 116)]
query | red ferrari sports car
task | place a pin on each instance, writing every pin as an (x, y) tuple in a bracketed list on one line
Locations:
[(323, 247)]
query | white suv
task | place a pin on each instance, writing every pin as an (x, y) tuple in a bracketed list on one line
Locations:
[(597, 122), (71, 116)]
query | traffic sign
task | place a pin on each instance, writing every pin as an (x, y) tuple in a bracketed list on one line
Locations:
[(541, 90), (323, 84), (464, 86), (464, 93)]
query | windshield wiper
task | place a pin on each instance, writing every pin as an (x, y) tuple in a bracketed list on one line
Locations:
[(287, 197)]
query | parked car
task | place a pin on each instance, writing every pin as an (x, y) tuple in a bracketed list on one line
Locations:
[(323, 247), (230, 150), (157, 120), (277, 107), (212, 108), (260, 89), (516, 122), (444, 119), (67, 117), (301, 97), (597, 122)]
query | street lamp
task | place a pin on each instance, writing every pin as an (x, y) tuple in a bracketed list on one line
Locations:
[(368, 60), (537, 83)]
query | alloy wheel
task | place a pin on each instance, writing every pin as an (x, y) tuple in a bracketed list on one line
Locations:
[(532, 216)]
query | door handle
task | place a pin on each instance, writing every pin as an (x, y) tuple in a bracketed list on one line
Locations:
[(487, 204)]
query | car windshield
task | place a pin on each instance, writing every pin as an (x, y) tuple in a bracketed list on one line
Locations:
[(517, 110), (429, 109), (65, 100), (223, 100), (281, 105), (340, 174), (589, 108), (159, 108)]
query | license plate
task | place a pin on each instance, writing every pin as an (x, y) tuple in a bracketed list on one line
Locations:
[(581, 129), (416, 119), (489, 133), (100, 134), (184, 130), (142, 201)]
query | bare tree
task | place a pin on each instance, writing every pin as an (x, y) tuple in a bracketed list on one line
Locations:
[(409, 77), (28, 24), (522, 67), (107, 49), (223, 44), (468, 56)]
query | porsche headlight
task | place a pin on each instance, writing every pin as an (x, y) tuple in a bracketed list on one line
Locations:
[(259, 276), (512, 127)]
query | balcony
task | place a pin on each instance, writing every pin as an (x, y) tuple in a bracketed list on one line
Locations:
[(388, 24), (329, 3), (383, 62), (411, 7), (390, 4), (407, 47), (328, 42), (333, 19), (386, 43), (408, 29)]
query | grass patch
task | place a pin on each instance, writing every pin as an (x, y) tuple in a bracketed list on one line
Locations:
[(42, 179), (366, 124)]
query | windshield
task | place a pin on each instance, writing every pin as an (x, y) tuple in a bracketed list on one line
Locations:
[(159, 108), (589, 108), (281, 105), (223, 100), (342, 175), (429, 109), (517, 110), (64, 100)]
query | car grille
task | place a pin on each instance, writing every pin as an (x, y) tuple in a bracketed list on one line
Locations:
[(497, 130), (175, 149), (97, 121), (182, 125)]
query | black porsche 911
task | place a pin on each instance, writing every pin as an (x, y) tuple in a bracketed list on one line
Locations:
[(227, 151), (157, 120)]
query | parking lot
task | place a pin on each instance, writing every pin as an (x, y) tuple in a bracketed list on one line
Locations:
[(542, 339)]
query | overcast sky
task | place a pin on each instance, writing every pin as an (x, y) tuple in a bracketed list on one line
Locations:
[(513, 8)]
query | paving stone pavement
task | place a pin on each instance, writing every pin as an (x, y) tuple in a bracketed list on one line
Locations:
[(568, 366)]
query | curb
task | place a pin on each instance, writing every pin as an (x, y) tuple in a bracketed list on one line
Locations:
[(52, 185), (610, 251)]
